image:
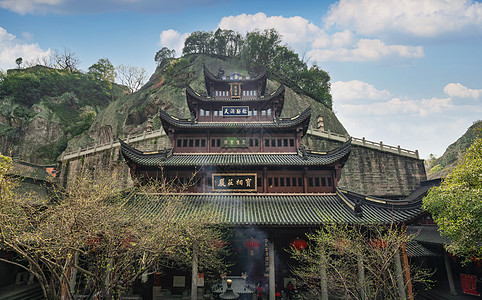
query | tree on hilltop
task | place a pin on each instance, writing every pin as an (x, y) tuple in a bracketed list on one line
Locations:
[(163, 55), (263, 50), (18, 61), (66, 60), (132, 77), (103, 69)]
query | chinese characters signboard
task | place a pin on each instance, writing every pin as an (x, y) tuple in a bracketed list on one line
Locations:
[(469, 284), (235, 90), (234, 182), (234, 142), (235, 111), (266, 257)]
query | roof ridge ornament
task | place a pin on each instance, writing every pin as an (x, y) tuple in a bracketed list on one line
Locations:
[(220, 73)]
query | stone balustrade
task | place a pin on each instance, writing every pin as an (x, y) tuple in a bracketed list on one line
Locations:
[(315, 132)]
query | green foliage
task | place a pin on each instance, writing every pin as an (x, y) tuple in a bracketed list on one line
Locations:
[(25, 87), (436, 168), (337, 253), (455, 150), (456, 205), (29, 86), (103, 70), (199, 42), (22, 112), (221, 42), (19, 61), (163, 56), (262, 50), (4, 129), (173, 72), (70, 99)]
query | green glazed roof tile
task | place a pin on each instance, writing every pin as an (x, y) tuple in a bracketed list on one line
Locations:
[(276, 210), (167, 158)]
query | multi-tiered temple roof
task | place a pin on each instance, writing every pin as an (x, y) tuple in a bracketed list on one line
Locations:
[(250, 164)]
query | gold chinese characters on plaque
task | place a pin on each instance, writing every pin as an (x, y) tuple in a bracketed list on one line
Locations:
[(234, 182)]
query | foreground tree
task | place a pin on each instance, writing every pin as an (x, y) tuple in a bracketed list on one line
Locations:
[(93, 240), (456, 205), (353, 262)]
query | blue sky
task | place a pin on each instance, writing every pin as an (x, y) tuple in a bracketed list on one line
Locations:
[(405, 72)]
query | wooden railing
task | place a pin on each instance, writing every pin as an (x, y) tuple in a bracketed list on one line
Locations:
[(315, 132)]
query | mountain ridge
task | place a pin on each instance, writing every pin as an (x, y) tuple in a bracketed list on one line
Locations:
[(440, 167)]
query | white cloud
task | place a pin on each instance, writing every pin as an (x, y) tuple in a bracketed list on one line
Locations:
[(295, 30), (425, 18), (301, 34), (457, 90), (348, 91), (173, 39), (346, 96), (396, 106), (428, 124), (95, 6), (363, 50), (29, 6), (11, 48)]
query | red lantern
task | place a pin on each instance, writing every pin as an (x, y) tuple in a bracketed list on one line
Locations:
[(94, 241), (378, 243), (217, 244), (299, 244), (252, 244)]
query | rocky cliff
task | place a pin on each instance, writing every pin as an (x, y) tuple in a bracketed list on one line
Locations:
[(42, 108)]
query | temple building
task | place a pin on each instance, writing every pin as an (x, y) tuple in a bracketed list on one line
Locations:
[(251, 164)]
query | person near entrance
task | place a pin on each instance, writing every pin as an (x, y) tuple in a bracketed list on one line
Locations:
[(290, 288)]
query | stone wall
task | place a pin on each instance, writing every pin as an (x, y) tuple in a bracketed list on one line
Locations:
[(107, 160), (368, 171), (373, 172)]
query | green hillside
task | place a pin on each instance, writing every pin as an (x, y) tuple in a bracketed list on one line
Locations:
[(449, 159), (42, 108), (166, 90)]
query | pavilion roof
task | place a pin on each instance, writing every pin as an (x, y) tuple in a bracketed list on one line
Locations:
[(208, 76), (303, 210), (302, 119), (428, 234), (415, 249), (193, 96), (167, 158)]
